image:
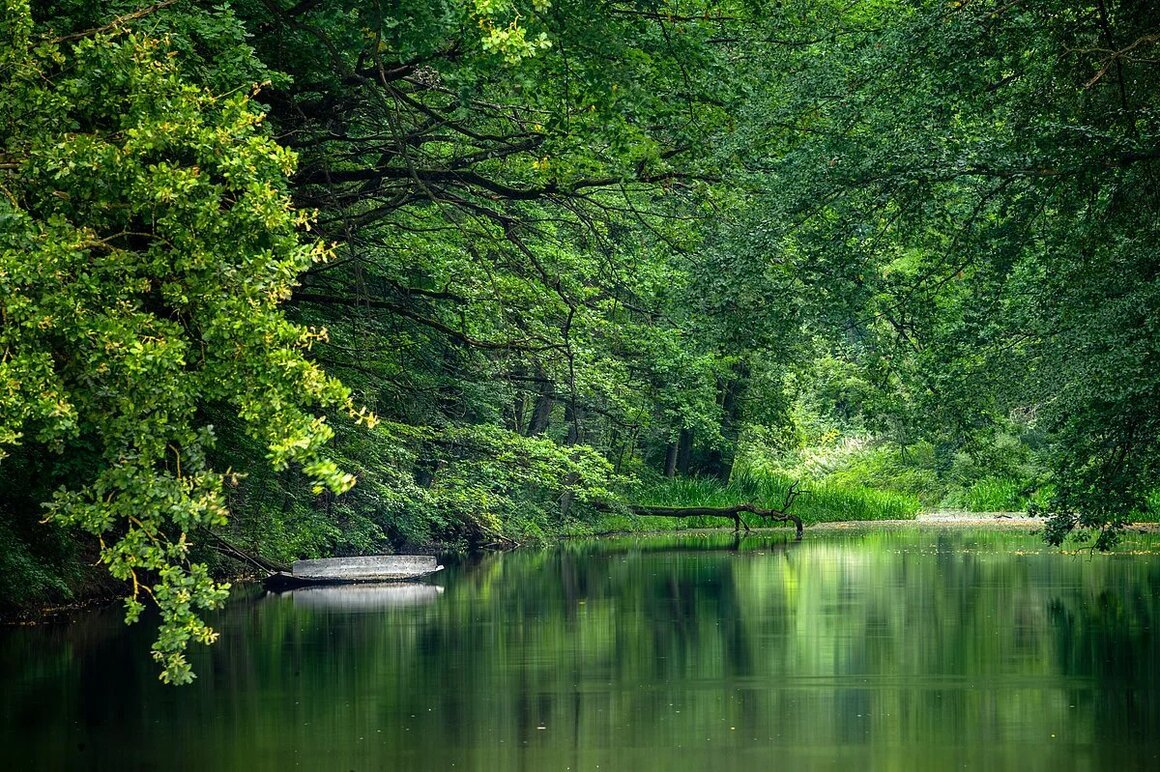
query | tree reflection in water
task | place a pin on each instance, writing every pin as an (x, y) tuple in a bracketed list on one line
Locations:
[(907, 649)]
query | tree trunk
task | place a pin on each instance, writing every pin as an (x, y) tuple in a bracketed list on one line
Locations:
[(671, 460), (519, 409), (684, 450), (572, 418), (719, 461), (542, 413), (575, 435)]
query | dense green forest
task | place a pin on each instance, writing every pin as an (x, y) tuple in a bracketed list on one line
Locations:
[(321, 277)]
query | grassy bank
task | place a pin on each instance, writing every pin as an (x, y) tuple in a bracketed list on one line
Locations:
[(844, 479), (821, 501)]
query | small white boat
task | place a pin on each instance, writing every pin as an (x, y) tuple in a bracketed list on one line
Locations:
[(369, 568)]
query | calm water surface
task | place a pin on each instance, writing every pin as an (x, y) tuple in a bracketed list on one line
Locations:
[(905, 649)]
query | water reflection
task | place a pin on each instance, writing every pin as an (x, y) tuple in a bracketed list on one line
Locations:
[(361, 597), (910, 649)]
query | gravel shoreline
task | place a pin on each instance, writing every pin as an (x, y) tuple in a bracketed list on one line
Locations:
[(954, 517)]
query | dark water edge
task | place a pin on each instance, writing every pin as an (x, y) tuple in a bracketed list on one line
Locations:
[(917, 648)]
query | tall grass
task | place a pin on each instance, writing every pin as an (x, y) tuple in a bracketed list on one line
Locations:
[(1005, 476), (992, 494), (998, 494), (819, 502)]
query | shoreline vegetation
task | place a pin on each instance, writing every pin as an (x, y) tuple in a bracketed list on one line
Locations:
[(840, 484), (655, 526)]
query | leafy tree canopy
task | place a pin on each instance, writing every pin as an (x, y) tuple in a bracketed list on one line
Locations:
[(148, 241), (555, 247)]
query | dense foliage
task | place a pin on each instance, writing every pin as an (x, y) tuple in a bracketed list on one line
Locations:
[(491, 263), (974, 185), (148, 240)]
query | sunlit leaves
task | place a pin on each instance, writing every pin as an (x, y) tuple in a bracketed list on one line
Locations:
[(149, 241)]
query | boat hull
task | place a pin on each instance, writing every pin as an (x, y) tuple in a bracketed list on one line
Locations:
[(368, 569)]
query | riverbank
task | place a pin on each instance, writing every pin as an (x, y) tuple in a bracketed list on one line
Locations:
[(628, 525), (646, 525)]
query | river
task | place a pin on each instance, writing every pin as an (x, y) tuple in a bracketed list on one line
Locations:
[(905, 648)]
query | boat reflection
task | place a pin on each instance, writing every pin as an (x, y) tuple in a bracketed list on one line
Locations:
[(363, 597)]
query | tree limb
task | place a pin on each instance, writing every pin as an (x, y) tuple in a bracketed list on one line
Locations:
[(134, 16)]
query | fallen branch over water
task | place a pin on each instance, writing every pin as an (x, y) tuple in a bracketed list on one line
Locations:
[(781, 514), (732, 512)]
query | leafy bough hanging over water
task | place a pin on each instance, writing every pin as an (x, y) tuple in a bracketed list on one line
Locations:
[(147, 242)]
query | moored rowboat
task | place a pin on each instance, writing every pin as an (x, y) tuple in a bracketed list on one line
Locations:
[(369, 568)]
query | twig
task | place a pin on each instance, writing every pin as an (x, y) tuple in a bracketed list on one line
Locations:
[(134, 16)]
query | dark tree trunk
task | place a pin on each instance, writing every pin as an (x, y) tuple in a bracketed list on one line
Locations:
[(519, 410), (719, 461), (671, 460), (572, 418), (627, 450), (684, 450), (542, 413), (575, 436), (718, 464)]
